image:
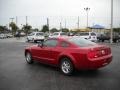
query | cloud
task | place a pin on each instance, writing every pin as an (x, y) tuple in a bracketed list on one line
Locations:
[(37, 10)]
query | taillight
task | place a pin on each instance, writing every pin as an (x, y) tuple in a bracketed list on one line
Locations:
[(99, 53)]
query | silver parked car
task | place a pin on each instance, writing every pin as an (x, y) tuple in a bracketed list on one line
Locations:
[(36, 36), (88, 35)]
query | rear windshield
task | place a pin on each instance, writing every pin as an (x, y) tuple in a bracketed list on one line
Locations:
[(39, 34), (55, 33), (81, 42), (63, 34), (84, 34)]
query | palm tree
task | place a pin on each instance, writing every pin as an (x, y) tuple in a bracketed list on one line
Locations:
[(14, 27), (27, 28), (2, 29)]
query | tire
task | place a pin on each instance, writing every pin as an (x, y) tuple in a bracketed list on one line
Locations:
[(35, 41), (115, 41), (66, 66), (102, 40), (27, 40), (28, 58)]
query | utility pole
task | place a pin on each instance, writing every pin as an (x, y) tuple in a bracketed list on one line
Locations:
[(111, 32), (65, 23), (26, 20), (16, 20), (87, 9), (48, 24), (60, 26), (78, 22), (12, 19)]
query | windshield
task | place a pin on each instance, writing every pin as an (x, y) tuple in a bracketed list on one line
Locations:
[(55, 33), (39, 34), (81, 42), (63, 34), (31, 34), (84, 34)]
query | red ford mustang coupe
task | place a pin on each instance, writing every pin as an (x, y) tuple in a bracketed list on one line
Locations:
[(70, 54)]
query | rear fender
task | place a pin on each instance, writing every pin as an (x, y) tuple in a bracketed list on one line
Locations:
[(72, 59)]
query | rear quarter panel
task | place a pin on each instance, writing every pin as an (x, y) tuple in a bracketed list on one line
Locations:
[(77, 56)]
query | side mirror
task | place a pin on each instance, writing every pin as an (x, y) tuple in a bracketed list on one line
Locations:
[(40, 44)]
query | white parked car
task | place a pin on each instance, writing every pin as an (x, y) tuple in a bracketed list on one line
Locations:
[(36, 36), (9, 35), (2, 36), (58, 34), (88, 35)]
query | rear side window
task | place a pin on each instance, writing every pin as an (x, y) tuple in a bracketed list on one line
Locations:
[(50, 43)]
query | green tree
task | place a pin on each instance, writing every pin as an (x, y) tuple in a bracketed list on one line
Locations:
[(14, 27), (54, 30), (27, 28), (2, 28), (36, 29), (65, 30), (116, 30), (45, 29)]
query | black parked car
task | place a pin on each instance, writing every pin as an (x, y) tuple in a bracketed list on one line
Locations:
[(103, 37)]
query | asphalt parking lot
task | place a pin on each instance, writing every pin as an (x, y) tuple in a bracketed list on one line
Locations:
[(16, 74)]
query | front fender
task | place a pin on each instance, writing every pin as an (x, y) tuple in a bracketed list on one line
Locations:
[(28, 49)]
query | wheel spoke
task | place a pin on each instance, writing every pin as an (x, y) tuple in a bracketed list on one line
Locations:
[(66, 67), (28, 57)]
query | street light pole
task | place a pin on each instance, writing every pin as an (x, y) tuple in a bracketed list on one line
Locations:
[(26, 20), (48, 24), (87, 10), (12, 19), (60, 26), (111, 32), (78, 22), (65, 23), (16, 20)]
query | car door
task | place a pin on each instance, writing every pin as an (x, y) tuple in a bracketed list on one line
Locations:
[(44, 52)]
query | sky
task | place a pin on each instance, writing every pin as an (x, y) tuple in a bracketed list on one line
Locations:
[(58, 11)]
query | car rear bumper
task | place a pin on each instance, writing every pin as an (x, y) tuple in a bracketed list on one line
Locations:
[(99, 63), (95, 63)]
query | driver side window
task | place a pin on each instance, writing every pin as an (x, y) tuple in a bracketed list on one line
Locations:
[(50, 43)]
